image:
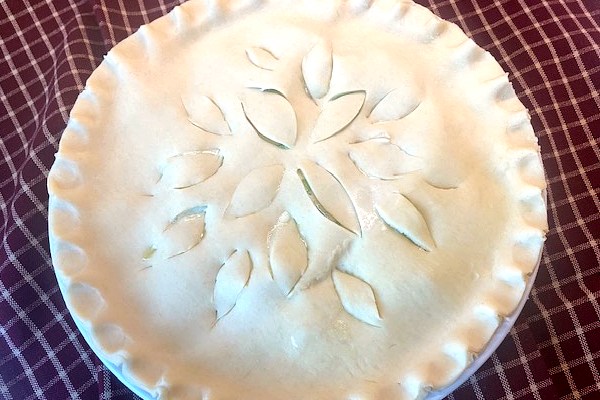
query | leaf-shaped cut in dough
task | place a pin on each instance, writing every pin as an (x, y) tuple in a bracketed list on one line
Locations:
[(272, 116), (337, 114), (317, 67), (357, 298), (379, 158), (190, 168), (232, 278), (395, 105), (262, 58), (205, 114), (256, 190), (184, 232), (288, 254), (399, 213), (329, 196)]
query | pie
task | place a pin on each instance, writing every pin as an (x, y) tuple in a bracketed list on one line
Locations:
[(299, 200)]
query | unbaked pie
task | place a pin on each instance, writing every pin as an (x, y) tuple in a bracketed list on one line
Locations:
[(295, 200)]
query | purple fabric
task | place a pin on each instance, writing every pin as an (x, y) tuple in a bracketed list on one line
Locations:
[(552, 52)]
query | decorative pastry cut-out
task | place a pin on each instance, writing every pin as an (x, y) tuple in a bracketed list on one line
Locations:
[(288, 254), (261, 106), (395, 105), (441, 185), (329, 196), (357, 297), (262, 58), (400, 214), (381, 159), (256, 190), (190, 168), (183, 233), (317, 67), (232, 278), (337, 114), (371, 151), (205, 114)]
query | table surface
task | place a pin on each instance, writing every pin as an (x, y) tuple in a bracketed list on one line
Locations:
[(552, 52)]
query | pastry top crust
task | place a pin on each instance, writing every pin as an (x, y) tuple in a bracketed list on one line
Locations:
[(325, 200)]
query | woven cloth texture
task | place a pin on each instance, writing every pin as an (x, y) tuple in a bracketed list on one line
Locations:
[(550, 48)]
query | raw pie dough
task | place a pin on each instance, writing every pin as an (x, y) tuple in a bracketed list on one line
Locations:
[(295, 200)]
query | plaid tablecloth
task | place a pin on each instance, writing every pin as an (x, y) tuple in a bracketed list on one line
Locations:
[(552, 50)]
